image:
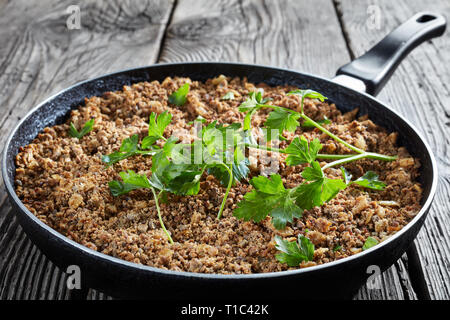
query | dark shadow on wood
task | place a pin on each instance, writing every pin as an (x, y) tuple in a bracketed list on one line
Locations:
[(416, 274)]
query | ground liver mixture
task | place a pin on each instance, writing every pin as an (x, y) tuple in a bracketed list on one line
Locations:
[(63, 181)]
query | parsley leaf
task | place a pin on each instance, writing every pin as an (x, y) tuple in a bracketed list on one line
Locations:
[(240, 171), (88, 126), (369, 243), (179, 97), (319, 190), (248, 118), (228, 96), (283, 120), (294, 252), (131, 181), (370, 180), (182, 179), (156, 127), (269, 197), (254, 100), (130, 147), (251, 105), (346, 175), (308, 93), (301, 152)]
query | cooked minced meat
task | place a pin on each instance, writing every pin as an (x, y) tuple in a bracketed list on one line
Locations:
[(63, 181)]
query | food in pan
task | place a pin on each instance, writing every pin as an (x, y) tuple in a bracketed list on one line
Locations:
[(219, 177)]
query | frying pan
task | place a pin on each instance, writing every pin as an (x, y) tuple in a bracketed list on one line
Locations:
[(353, 87)]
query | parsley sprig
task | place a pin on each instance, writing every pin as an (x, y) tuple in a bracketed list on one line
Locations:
[(131, 146), (175, 167), (369, 243), (270, 197), (179, 96), (294, 252), (132, 181), (87, 127)]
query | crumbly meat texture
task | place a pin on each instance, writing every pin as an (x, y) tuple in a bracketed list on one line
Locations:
[(63, 181)]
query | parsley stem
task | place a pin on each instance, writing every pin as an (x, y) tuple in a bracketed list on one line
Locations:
[(342, 161), (159, 215), (377, 156), (333, 156), (315, 124), (255, 146), (369, 155), (230, 182), (319, 156), (318, 126)]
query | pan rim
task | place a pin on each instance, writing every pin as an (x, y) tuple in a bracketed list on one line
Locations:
[(185, 274)]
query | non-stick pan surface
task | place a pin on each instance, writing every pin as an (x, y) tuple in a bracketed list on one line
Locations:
[(125, 279)]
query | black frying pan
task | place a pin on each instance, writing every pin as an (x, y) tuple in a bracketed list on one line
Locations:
[(366, 75)]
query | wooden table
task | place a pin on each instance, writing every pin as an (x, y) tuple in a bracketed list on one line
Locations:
[(39, 56)]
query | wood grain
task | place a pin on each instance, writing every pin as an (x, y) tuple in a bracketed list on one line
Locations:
[(38, 57), (41, 56), (419, 90), (277, 33)]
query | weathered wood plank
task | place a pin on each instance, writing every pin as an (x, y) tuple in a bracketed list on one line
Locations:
[(40, 56), (262, 32), (419, 90), (394, 284), (276, 33), (273, 33)]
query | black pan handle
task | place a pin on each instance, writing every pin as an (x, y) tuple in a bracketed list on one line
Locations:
[(376, 66)]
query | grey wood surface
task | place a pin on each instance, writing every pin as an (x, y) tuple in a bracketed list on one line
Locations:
[(39, 56), (419, 89)]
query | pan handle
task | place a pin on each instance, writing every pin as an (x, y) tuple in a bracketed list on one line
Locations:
[(371, 71)]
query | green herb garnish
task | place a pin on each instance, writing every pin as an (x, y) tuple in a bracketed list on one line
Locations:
[(132, 181), (175, 168), (228, 96), (347, 176), (88, 126), (300, 151), (370, 242), (295, 252), (282, 120), (254, 102), (370, 180), (156, 127), (317, 189), (307, 94), (179, 97), (131, 147), (268, 198)]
